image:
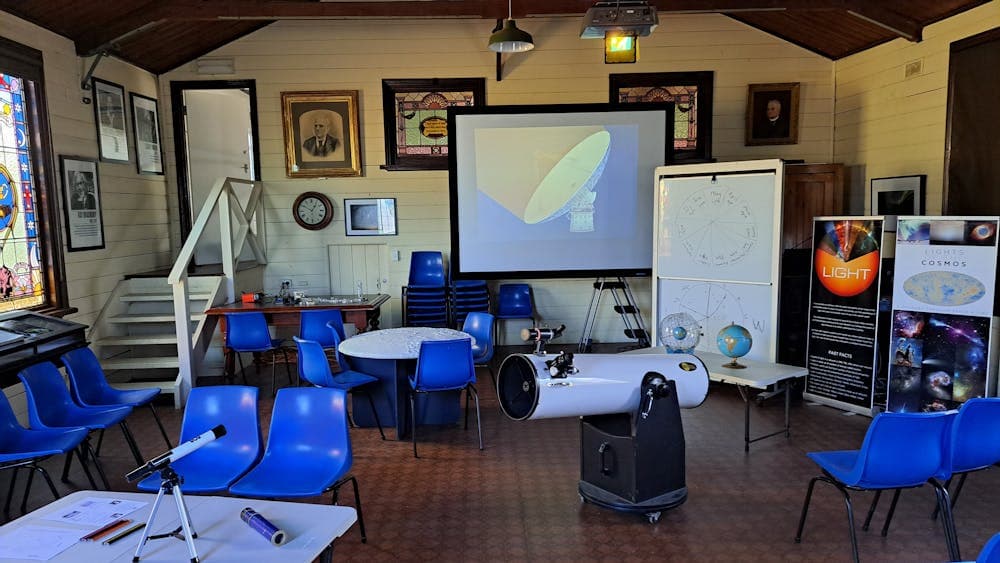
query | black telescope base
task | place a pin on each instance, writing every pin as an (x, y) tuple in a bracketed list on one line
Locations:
[(650, 508)]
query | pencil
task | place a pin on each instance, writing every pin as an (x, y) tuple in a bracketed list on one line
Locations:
[(124, 533), (106, 529)]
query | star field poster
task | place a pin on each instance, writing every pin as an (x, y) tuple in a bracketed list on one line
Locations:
[(942, 303), (843, 311)]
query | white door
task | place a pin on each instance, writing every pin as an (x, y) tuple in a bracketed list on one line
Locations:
[(219, 144)]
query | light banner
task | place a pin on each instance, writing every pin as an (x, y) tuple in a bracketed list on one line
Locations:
[(843, 311), (942, 305)]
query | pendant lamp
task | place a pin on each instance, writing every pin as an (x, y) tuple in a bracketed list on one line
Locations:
[(510, 39)]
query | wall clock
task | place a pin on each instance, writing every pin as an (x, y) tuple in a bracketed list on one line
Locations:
[(312, 210)]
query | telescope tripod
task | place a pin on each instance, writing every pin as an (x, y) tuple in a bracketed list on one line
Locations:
[(171, 483)]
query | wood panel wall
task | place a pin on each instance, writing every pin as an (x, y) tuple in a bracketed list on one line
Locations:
[(358, 54), (888, 124), (136, 223)]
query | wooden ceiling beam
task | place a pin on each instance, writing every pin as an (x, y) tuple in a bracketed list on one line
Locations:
[(899, 24), (94, 39)]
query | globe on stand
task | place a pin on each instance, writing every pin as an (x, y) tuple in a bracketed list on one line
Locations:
[(734, 341), (679, 333)]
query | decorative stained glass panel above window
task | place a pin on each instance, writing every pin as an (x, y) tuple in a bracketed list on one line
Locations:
[(21, 275)]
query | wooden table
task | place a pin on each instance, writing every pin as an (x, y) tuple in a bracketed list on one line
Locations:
[(364, 315), (222, 535), (756, 375), (391, 356)]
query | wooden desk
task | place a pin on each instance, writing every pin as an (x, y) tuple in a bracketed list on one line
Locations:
[(757, 375), (391, 355), (364, 315), (222, 535)]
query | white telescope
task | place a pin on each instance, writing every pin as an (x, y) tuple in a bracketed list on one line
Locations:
[(538, 386)]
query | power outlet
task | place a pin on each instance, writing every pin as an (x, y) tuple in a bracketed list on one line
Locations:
[(913, 68)]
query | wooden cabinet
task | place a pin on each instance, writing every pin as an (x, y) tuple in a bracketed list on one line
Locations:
[(810, 190)]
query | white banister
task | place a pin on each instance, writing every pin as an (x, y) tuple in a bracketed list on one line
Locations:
[(222, 199)]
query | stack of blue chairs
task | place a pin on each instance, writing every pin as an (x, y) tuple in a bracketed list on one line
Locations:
[(425, 298), (468, 296)]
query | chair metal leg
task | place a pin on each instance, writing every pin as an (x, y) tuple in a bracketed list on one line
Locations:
[(479, 422), (48, 481), (378, 422), (130, 440), (850, 512), (413, 421), (97, 463), (81, 455), (273, 362), (892, 510), (871, 510), (156, 417), (466, 407), (65, 472), (948, 521), (357, 504), (954, 497), (100, 441), (243, 373), (27, 490), (10, 493), (288, 369)]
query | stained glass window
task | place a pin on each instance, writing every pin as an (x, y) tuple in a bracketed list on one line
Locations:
[(685, 99), (21, 273)]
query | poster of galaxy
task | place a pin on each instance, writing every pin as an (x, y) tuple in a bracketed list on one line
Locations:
[(942, 304), (843, 311)]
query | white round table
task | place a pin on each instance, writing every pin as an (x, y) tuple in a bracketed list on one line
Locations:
[(395, 343), (390, 355)]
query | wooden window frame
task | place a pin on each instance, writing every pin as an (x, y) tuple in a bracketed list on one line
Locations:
[(25, 62)]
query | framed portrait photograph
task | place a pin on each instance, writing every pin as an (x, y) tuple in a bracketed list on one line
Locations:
[(899, 195), (146, 132), (82, 203), (322, 134), (415, 112), (772, 114), (691, 94), (370, 216), (109, 114)]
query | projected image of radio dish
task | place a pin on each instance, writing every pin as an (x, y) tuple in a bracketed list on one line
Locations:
[(944, 289), (566, 164)]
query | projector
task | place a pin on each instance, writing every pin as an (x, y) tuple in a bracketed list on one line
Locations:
[(636, 18)]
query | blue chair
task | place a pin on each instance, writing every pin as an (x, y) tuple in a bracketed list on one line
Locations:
[(991, 551), (215, 466), (22, 447), (444, 365), (248, 332), (515, 301), (314, 367), (315, 325), (90, 388), (308, 450), (427, 268), (480, 327), (900, 451), (51, 406), (974, 443)]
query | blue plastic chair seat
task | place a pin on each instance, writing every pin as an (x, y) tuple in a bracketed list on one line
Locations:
[(349, 379), (31, 443), (206, 473)]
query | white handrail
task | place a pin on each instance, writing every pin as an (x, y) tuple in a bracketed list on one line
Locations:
[(223, 198)]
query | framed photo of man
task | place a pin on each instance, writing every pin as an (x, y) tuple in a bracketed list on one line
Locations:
[(322, 134), (146, 131), (82, 203), (109, 114), (772, 114)]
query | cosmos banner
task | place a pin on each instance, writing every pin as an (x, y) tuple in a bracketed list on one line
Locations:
[(942, 304), (843, 311)]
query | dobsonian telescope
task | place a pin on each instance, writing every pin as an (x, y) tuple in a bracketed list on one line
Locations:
[(631, 437)]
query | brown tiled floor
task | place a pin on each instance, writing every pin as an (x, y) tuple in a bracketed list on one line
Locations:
[(518, 499)]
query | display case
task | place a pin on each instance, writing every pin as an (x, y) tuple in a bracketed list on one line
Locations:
[(28, 338)]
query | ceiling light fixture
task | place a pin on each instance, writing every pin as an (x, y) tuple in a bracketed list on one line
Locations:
[(510, 39)]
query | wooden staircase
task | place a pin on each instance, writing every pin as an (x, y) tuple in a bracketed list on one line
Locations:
[(135, 336)]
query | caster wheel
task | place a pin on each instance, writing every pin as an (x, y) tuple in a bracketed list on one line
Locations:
[(653, 517)]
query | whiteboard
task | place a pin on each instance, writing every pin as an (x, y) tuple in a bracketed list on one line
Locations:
[(715, 305), (718, 227)]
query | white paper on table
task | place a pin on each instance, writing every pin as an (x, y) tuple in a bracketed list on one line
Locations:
[(94, 511), (40, 543)]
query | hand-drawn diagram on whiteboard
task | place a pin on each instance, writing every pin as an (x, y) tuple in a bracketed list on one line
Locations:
[(717, 304), (717, 227)]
